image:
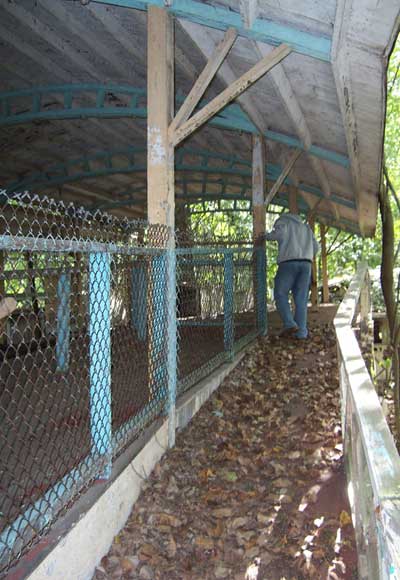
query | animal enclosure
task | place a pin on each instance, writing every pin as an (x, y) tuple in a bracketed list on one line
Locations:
[(88, 355)]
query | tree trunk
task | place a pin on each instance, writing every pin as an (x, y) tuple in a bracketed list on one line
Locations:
[(387, 282)]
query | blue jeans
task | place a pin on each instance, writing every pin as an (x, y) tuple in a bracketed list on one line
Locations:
[(293, 276)]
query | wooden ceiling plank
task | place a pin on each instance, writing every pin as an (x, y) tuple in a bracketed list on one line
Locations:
[(231, 92), (204, 79), (44, 32), (34, 54), (96, 42)]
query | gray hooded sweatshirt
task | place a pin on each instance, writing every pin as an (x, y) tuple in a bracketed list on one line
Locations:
[(295, 239)]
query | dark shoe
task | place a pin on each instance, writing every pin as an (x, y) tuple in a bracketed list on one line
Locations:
[(287, 332)]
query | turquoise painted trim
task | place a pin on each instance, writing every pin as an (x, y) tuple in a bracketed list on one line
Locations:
[(157, 282), (222, 18), (212, 323), (63, 173), (172, 331), (100, 357), (213, 250), (75, 113), (232, 117), (228, 302), (63, 321)]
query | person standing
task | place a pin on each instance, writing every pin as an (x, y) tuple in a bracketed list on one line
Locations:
[(297, 247)]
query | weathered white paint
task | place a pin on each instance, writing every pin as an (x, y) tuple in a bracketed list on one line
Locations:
[(363, 35), (156, 149), (248, 12), (89, 538)]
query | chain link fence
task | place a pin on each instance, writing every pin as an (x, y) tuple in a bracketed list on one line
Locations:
[(88, 342), (221, 306)]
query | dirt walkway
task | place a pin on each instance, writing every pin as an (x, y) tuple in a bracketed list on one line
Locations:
[(257, 474)]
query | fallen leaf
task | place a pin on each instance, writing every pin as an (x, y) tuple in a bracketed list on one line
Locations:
[(345, 519)]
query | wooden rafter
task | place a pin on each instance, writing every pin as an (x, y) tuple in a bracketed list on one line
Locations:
[(204, 80), (286, 93), (285, 172), (231, 92)]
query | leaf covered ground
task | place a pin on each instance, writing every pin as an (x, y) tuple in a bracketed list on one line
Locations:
[(258, 473)]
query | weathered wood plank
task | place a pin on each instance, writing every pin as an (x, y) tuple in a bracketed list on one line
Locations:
[(204, 79), (160, 87), (231, 92), (285, 172), (249, 12), (258, 186), (324, 265)]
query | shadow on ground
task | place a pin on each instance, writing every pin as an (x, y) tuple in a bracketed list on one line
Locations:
[(257, 474)]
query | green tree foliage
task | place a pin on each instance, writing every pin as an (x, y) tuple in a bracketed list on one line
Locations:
[(392, 129)]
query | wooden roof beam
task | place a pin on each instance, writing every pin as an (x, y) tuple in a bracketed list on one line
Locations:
[(222, 18), (285, 91), (285, 172), (367, 205), (204, 80), (231, 92)]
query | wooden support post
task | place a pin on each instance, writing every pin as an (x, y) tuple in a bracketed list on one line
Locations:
[(161, 207), (160, 103), (293, 205), (259, 219), (324, 266), (314, 275)]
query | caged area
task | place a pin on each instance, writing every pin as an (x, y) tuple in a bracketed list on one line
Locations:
[(93, 349)]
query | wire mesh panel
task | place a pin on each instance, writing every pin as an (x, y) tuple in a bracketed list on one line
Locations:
[(216, 307), (83, 354), (88, 339)]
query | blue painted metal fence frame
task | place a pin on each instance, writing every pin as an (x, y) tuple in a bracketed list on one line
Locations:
[(41, 513)]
